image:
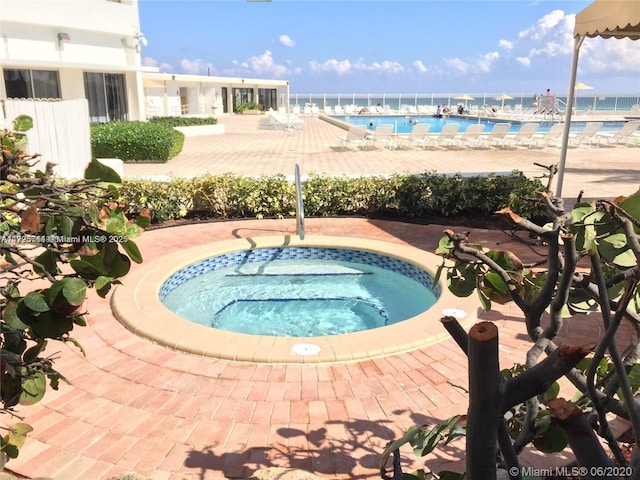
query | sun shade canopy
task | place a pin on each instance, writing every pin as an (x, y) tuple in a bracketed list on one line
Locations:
[(609, 18)]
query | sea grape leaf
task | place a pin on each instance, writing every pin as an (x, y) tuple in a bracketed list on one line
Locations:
[(98, 171)]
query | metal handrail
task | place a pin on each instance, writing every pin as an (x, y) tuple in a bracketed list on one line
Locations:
[(299, 204)]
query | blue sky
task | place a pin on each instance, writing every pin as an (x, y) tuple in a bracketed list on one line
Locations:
[(420, 46)]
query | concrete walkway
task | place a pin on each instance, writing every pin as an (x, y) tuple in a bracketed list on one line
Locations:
[(245, 149)]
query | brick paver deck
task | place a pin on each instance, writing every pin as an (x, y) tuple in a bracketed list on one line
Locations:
[(137, 406)]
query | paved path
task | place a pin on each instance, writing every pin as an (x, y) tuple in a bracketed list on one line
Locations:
[(137, 406), (246, 149)]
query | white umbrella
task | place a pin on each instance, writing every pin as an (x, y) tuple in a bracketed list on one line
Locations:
[(464, 97), (503, 97)]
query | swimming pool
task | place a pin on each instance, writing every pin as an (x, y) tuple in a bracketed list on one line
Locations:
[(299, 291), (404, 123), (137, 305)]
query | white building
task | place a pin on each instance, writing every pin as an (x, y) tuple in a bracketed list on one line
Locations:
[(67, 49)]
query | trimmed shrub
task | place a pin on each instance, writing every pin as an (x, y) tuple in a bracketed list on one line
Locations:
[(165, 201), (230, 196), (183, 121), (414, 196), (135, 141)]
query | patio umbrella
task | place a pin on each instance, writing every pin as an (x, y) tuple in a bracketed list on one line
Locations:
[(580, 86), (503, 97), (464, 97)]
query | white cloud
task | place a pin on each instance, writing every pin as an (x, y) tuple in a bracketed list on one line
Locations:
[(549, 41), (546, 25), (286, 41), (386, 66), (419, 66), (152, 62), (610, 55), (482, 64), (485, 62), (550, 37), (195, 66), (341, 67), (263, 65), (505, 44)]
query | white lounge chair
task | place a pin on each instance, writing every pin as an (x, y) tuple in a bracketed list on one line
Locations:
[(327, 110), (285, 121), (625, 136), (552, 136), (526, 134), (419, 135), (588, 133), (383, 135), (499, 134), (447, 136), (356, 135), (472, 136)]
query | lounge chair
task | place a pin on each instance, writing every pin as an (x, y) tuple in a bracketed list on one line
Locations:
[(285, 121), (588, 133), (419, 135), (553, 135), (383, 135), (356, 135), (624, 136), (472, 136), (327, 110), (498, 134), (338, 110), (447, 136), (526, 134), (488, 111)]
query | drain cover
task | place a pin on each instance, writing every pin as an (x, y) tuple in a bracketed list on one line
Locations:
[(305, 349), (454, 312)]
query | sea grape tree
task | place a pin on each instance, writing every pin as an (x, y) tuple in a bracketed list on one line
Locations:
[(591, 266), (58, 238)]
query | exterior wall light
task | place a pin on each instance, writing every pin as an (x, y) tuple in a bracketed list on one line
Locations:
[(63, 37)]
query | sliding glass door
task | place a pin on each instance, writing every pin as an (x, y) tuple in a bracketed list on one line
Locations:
[(107, 96)]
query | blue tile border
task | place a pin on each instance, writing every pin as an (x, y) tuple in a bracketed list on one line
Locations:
[(297, 253)]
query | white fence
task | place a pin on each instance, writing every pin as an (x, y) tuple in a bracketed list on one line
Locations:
[(60, 132)]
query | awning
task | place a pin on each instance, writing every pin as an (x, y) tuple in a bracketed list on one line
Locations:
[(148, 83), (603, 18), (609, 18)]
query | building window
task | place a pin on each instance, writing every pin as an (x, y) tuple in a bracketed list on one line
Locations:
[(107, 96), (23, 83), (242, 96), (267, 97)]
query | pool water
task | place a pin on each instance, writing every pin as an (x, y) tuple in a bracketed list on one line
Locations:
[(301, 297), (404, 123)]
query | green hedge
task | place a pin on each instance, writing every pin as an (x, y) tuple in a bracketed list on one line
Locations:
[(135, 141), (183, 121), (405, 196)]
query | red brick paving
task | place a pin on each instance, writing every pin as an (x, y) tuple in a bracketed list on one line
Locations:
[(171, 416)]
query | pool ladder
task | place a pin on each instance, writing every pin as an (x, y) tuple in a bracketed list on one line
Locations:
[(299, 204)]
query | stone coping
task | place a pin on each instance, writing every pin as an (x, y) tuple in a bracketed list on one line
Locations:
[(137, 306)]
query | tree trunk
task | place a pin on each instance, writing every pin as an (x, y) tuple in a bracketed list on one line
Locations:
[(486, 388)]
